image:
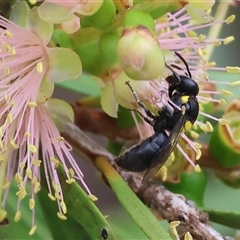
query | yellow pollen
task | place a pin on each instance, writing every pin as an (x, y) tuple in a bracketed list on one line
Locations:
[(197, 168), (173, 226), (203, 127), (1, 158), (34, 180), (59, 139), (201, 52), (198, 154), (22, 165), (93, 198), (17, 216), (188, 236), (21, 194), (222, 101), (32, 148), (13, 51), (211, 64), (61, 216), (230, 19), (37, 187), (8, 33), (187, 125), (201, 38), (7, 71), (229, 39), (12, 103), (31, 203), (235, 83), (223, 121), (18, 178), (33, 230), (9, 118), (57, 196), (40, 67), (63, 207), (29, 173), (71, 172), (197, 145), (27, 134), (209, 126), (13, 144), (36, 162), (6, 185), (70, 181), (6, 97), (3, 215), (32, 104), (194, 135), (164, 173), (1, 143), (232, 69), (226, 93), (217, 43), (54, 160), (51, 197)]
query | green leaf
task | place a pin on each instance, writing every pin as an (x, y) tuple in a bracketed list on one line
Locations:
[(60, 229), (84, 84), (230, 219), (20, 230), (136, 209), (82, 208)]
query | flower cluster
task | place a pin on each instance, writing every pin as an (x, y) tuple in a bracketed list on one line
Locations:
[(137, 47), (30, 139)]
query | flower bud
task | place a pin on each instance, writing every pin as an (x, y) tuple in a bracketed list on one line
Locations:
[(224, 143), (108, 46), (102, 18), (91, 58), (139, 54), (134, 18), (203, 5)]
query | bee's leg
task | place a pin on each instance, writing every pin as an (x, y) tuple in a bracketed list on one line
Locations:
[(141, 104)]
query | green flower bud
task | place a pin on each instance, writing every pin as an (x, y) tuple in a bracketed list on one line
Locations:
[(134, 18), (102, 18), (108, 47), (60, 39), (139, 54), (203, 5), (91, 57), (224, 143)]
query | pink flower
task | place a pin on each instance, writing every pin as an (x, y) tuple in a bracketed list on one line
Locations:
[(29, 137)]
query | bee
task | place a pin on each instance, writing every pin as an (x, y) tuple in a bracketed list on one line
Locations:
[(180, 112)]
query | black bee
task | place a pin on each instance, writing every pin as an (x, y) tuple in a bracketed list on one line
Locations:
[(181, 109)]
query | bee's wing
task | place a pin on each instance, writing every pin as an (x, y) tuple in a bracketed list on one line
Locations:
[(164, 152)]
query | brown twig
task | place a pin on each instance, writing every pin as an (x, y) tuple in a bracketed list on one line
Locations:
[(96, 121)]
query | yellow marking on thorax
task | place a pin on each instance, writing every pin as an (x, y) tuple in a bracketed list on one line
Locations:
[(185, 98)]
